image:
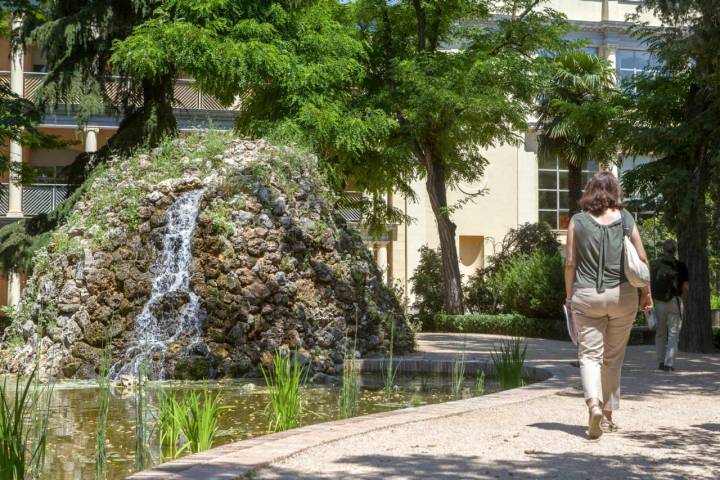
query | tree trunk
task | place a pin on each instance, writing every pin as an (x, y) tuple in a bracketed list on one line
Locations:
[(696, 335), (436, 188), (150, 123), (575, 188)]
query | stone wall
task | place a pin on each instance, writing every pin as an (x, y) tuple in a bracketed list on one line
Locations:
[(274, 267)]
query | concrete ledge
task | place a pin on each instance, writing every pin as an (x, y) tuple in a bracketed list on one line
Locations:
[(238, 459)]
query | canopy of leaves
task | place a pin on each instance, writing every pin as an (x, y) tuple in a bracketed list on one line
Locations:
[(576, 110)]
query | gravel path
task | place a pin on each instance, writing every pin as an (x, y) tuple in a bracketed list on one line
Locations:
[(670, 429)]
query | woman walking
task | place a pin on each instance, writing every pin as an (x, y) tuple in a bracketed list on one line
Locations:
[(602, 301)]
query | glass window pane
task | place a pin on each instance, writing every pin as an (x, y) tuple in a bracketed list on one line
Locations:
[(547, 180), (547, 200), (549, 218), (591, 50), (564, 196), (549, 163), (562, 164), (591, 166), (626, 59), (563, 180), (642, 60), (564, 220)]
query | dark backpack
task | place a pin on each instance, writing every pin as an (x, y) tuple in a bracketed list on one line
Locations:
[(665, 279)]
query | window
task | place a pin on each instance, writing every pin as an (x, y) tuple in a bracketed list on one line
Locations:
[(553, 195), (632, 62)]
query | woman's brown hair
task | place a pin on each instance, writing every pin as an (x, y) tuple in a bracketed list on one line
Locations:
[(601, 192)]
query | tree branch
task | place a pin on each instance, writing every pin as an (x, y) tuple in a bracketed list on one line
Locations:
[(420, 14)]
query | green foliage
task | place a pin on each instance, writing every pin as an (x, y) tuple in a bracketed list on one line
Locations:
[(509, 360), (350, 395), (503, 324), (480, 383), (103, 403), (24, 413), (170, 422), (533, 285), (427, 282), (391, 369), (458, 374), (653, 232), (715, 302), (199, 420), (142, 431), (577, 108), (285, 381)]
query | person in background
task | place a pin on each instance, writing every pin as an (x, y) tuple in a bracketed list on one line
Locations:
[(602, 301), (669, 283)]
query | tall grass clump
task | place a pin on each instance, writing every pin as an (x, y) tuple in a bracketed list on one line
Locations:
[(24, 415), (458, 374), (509, 358), (391, 370), (103, 403), (285, 381), (350, 394), (142, 430), (200, 420), (480, 383), (170, 422)]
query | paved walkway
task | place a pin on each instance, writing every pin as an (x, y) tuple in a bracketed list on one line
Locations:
[(670, 428)]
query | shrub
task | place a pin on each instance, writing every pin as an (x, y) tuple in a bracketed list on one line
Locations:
[(505, 324), (533, 285), (427, 282), (482, 293), (525, 240)]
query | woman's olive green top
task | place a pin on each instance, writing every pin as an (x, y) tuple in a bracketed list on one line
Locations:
[(599, 251)]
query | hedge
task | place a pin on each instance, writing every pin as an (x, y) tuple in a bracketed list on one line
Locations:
[(503, 324)]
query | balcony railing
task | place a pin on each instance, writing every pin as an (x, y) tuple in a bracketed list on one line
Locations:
[(187, 96), (36, 198)]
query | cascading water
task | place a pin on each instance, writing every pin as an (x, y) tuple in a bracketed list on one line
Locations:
[(173, 310)]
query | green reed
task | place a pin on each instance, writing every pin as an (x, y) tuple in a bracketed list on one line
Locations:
[(480, 383), (103, 403), (285, 381), (170, 421), (350, 395), (458, 374), (199, 420), (24, 415), (142, 430), (390, 373), (509, 359)]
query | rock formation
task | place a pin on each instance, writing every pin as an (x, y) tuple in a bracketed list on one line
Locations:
[(273, 268)]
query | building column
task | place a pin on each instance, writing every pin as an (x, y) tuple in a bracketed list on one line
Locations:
[(381, 257), (91, 139), (610, 53), (17, 86), (13, 297)]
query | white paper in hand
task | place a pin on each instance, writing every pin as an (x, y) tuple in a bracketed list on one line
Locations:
[(570, 323)]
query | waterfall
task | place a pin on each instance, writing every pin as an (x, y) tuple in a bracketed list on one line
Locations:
[(172, 311)]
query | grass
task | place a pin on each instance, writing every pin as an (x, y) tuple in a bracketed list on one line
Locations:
[(458, 374), (23, 428), (103, 403), (170, 422), (350, 394), (199, 420), (509, 358), (285, 381), (390, 373), (480, 383)]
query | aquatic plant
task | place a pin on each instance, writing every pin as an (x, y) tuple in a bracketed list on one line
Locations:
[(391, 370), (350, 394), (509, 358), (103, 403), (199, 420), (24, 415), (480, 383), (458, 374), (169, 424), (285, 381), (142, 432)]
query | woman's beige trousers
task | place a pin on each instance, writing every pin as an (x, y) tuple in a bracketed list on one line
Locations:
[(604, 321)]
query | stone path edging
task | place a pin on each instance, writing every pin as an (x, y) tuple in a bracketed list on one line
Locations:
[(237, 459)]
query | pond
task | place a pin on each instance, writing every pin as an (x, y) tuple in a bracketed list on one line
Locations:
[(73, 418)]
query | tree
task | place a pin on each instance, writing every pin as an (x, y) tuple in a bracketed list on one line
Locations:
[(575, 113), (375, 87), (76, 39), (671, 114)]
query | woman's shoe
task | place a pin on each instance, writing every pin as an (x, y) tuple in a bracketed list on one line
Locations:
[(608, 426), (596, 416)]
